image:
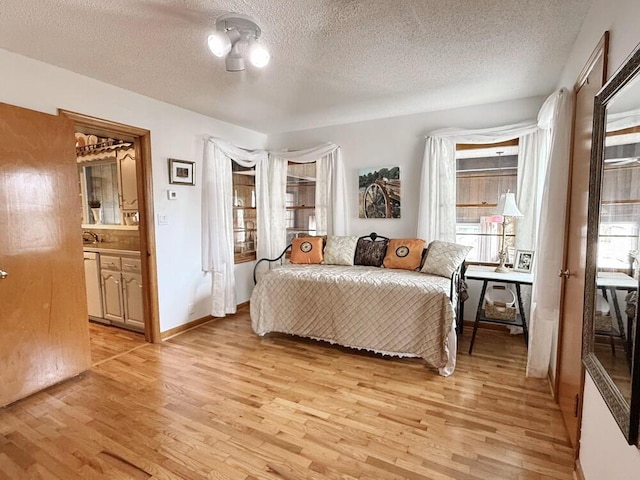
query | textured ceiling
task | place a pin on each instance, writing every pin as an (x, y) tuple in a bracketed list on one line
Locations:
[(333, 61)]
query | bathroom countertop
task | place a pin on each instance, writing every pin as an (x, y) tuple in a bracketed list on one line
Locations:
[(109, 247)]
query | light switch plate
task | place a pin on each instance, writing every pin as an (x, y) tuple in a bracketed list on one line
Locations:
[(163, 220), (172, 194)]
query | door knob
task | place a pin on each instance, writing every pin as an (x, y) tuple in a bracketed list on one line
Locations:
[(3, 274), (565, 273)]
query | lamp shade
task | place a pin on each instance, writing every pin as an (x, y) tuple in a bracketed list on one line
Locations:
[(507, 206)]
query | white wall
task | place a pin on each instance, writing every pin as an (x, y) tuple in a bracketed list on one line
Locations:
[(175, 133), (604, 453)]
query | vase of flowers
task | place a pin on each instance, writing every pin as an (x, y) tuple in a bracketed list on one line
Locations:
[(96, 211)]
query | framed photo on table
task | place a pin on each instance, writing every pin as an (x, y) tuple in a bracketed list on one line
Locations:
[(182, 172), (523, 261)]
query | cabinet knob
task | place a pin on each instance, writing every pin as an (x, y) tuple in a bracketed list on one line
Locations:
[(3, 274)]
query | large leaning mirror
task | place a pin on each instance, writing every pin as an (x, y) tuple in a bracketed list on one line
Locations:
[(611, 337)]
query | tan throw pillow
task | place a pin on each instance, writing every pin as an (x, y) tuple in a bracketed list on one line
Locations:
[(306, 250), (404, 253), (306, 235), (443, 258), (340, 250)]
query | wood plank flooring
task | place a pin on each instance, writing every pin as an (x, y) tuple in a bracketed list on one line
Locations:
[(220, 402), (108, 341)]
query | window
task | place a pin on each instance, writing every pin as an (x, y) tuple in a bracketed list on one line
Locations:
[(244, 213), (300, 216), (483, 173), (620, 209)]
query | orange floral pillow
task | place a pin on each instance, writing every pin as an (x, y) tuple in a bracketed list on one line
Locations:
[(404, 253), (306, 250)]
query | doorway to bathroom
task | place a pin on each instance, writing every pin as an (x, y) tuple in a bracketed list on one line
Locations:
[(118, 229)]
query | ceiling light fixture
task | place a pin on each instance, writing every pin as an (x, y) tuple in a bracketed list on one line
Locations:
[(236, 36)]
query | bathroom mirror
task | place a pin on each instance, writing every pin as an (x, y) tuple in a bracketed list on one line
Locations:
[(611, 346), (108, 182), (101, 199)]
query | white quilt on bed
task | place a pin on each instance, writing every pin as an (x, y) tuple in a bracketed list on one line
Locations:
[(389, 311)]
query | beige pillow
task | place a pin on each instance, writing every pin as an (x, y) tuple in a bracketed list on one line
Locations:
[(404, 253), (340, 250), (306, 250), (443, 258)]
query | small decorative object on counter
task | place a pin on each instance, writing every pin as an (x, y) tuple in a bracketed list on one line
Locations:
[(94, 205)]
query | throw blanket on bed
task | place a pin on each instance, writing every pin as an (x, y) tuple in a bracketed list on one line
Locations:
[(388, 311)]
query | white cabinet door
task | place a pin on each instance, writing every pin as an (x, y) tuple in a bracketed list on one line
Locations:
[(92, 283), (128, 183), (132, 287), (112, 295)]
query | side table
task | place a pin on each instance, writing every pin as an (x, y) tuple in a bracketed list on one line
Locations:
[(609, 283), (488, 274)]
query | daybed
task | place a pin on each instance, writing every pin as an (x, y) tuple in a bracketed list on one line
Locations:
[(385, 310)]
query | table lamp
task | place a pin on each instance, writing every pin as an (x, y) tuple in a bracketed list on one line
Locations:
[(506, 208)]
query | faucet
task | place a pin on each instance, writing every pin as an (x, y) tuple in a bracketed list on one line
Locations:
[(93, 237)]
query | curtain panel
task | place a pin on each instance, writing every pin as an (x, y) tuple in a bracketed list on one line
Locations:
[(437, 204), (622, 120), (544, 316), (533, 158), (217, 216)]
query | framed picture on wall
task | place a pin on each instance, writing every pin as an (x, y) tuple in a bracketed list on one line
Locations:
[(182, 172), (523, 261), (379, 192)]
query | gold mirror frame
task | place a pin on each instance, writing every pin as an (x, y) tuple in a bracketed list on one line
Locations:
[(626, 414)]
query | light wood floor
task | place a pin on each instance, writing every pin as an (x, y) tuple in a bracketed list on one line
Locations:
[(108, 341), (220, 402)]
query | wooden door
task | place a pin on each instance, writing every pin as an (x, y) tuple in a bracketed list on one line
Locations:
[(570, 373), (44, 330)]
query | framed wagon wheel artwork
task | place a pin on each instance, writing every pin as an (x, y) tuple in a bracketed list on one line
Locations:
[(379, 192)]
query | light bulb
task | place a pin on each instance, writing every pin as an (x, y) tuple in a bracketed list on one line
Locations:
[(258, 55), (219, 43)]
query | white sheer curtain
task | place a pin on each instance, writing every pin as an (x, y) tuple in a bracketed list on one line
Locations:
[(437, 204), (331, 198), (533, 158), (556, 114), (217, 216), (437, 211), (276, 236), (621, 120)]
